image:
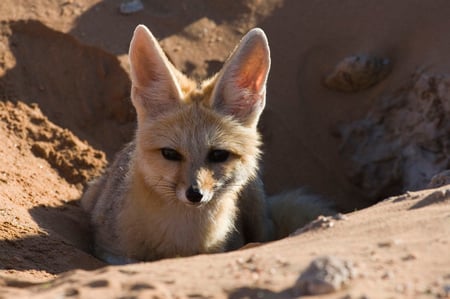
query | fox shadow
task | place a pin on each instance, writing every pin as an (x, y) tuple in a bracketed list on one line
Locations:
[(63, 243)]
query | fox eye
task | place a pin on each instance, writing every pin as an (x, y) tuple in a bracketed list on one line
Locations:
[(218, 156), (171, 154)]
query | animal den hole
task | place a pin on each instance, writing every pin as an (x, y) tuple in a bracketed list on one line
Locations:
[(403, 141), (78, 87)]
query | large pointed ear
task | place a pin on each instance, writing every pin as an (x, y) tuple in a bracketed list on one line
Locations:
[(154, 87), (240, 90)]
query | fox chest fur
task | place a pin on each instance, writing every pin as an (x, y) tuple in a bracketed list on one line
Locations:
[(188, 183)]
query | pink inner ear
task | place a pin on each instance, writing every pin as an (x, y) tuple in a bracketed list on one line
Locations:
[(252, 83), (252, 75), (241, 88)]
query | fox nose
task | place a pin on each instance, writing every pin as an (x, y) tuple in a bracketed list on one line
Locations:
[(193, 194)]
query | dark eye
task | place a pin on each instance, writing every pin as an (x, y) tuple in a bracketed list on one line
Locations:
[(218, 156), (171, 154)]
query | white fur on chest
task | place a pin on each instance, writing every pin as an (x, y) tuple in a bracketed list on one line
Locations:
[(151, 231)]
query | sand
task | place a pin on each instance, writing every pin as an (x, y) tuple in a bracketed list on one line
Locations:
[(356, 111)]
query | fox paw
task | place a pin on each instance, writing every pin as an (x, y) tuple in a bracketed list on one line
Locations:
[(358, 72)]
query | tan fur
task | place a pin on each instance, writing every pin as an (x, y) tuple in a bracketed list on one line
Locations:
[(141, 208)]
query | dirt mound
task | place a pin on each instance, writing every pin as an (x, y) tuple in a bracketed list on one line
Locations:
[(43, 231), (74, 160), (78, 87)]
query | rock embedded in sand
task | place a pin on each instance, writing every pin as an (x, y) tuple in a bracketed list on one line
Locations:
[(130, 7), (446, 290), (440, 179), (403, 141), (322, 222), (358, 72), (325, 275)]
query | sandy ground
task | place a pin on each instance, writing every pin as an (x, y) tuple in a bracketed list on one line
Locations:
[(358, 99)]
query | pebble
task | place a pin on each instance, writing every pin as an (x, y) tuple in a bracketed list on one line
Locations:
[(446, 289), (389, 243), (440, 179), (409, 257), (130, 7), (325, 275), (340, 216), (319, 223), (358, 72), (387, 275)]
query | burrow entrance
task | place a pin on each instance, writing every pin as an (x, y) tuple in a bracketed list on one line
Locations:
[(399, 145)]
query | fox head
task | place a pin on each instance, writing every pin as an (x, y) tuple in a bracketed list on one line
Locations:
[(198, 143)]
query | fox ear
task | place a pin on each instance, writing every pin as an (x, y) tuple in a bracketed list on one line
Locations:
[(240, 90), (154, 86)]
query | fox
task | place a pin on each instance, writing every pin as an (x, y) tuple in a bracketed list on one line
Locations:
[(189, 182)]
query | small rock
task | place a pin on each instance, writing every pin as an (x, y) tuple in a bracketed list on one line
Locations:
[(389, 243), (409, 257), (324, 275), (387, 275), (440, 179), (130, 7), (358, 72), (340, 216), (320, 223), (446, 289)]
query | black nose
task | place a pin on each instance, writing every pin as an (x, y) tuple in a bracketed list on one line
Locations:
[(193, 194)]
